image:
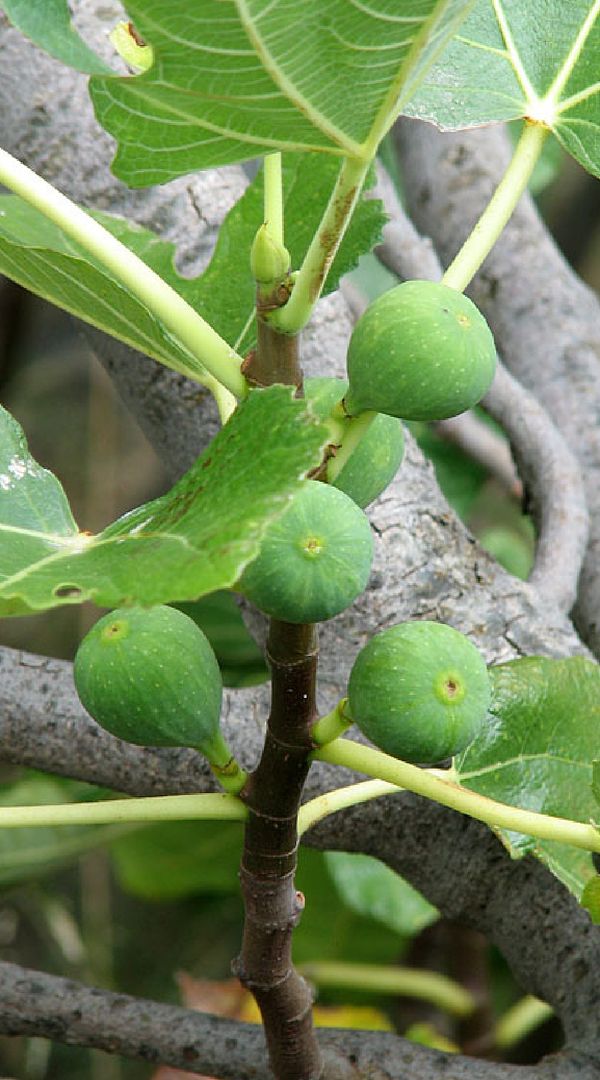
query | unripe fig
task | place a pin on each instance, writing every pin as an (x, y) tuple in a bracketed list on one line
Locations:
[(314, 560), (149, 676), (422, 351), (378, 456), (419, 691)]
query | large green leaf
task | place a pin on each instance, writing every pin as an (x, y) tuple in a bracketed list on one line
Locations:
[(193, 540), (34, 252), (522, 58), (48, 24), (370, 888), (537, 752), (235, 79)]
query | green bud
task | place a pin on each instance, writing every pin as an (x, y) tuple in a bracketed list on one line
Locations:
[(269, 259)]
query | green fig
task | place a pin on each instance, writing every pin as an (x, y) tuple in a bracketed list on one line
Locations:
[(150, 677), (420, 691), (314, 560), (421, 351)]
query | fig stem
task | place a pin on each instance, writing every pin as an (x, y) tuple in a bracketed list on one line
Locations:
[(228, 772), (430, 782), (355, 430), (311, 277), (217, 363), (439, 990), (331, 726), (231, 777), (494, 218), (125, 811)]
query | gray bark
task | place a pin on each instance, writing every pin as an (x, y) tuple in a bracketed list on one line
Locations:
[(426, 566), (45, 1005)]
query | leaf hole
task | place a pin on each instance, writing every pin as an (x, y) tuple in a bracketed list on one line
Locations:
[(67, 590)]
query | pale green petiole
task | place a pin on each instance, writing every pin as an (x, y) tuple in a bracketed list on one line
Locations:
[(439, 990), (432, 784), (355, 430), (273, 196), (324, 245), (494, 218), (331, 726), (190, 329), (117, 811), (525, 1016), (340, 799)]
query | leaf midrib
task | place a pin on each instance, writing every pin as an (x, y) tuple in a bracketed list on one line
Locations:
[(519, 760)]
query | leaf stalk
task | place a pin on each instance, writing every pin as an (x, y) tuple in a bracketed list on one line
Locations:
[(312, 275), (433, 785), (116, 811), (500, 208)]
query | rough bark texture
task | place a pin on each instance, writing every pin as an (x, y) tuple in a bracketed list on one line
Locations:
[(38, 1004), (426, 565)]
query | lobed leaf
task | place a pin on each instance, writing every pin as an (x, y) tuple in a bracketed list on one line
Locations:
[(537, 750), (195, 539), (519, 59), (235, 79), (48, 24)]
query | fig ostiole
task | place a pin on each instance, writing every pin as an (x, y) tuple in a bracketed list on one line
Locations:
[(149, 676), (314, 560), (421, 351), (375, 460), (420, 691)]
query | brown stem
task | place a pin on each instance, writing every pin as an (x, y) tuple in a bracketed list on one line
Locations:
[(273, 906), (275, 359)]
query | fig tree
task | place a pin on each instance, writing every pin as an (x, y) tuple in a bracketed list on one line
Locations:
[(314, 560), (422, 351), (150, 677), (419, 691), (378, 456)]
